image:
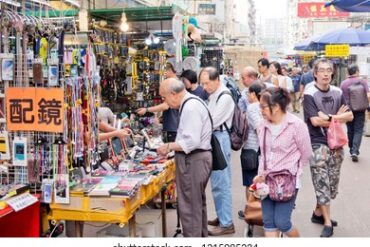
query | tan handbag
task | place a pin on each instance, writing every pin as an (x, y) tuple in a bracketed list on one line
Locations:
[(253, 210)]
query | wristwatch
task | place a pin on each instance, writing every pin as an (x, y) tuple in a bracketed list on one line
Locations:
[(330, 117)]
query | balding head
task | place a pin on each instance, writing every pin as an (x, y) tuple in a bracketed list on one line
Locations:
[(210, 79), (249, 75), (172, 91), (173, 85)]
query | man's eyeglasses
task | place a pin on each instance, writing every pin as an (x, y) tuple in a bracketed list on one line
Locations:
[(263, 106), (325, 71)]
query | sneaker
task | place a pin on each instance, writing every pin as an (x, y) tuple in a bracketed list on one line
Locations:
[(354, 158), (241, 214), (214, 222), (320, 220), (219, 230), (327, 232)]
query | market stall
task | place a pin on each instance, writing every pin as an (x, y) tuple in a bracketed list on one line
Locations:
[(53, 80), (113, 208)]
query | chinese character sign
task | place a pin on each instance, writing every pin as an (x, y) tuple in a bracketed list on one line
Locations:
[(318, 10), (35, 109), (337, 50)]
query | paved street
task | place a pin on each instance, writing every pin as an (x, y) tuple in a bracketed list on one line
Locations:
[(350, 209)]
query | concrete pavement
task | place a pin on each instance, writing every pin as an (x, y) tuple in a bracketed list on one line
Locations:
[(350, 208)]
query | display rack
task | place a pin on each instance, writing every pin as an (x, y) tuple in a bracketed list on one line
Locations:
[(34, 57)]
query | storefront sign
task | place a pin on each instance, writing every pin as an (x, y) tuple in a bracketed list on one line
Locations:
[(337, 50), (206, 9), (317, 10), (35, 109)]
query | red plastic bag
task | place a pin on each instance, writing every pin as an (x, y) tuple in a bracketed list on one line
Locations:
[(337, 138)]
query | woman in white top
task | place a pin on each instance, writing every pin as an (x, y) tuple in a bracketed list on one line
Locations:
[(250, 153), (280, 80)]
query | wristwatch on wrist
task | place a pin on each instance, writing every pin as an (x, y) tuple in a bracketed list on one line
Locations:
[(330, 117)]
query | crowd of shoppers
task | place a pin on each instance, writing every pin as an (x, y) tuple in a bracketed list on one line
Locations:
[(277, 140)]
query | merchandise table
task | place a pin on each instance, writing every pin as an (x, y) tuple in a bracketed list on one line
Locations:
[(119, 210)]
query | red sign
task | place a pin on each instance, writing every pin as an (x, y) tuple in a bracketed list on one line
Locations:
[(317, 10)]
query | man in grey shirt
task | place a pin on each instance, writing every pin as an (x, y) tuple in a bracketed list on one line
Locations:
[(106, 115), (193, 155), (221, 105)]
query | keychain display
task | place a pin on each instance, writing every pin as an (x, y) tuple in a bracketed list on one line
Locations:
[(20, 151), (7, 67), (61, 189), (53, 75), (38, 58), (37, 72), (4, 146)]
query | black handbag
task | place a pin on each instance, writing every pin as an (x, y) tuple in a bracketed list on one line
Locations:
[(218, 157), (249, 159)]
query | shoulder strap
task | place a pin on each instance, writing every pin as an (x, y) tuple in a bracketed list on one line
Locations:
[(224, 124), (264, 150), (222, 93), (209, 114)]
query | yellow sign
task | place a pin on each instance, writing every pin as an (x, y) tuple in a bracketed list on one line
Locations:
[(337, 50), (307, 58), (35, 109)]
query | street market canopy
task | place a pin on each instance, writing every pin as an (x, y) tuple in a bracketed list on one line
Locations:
[(350, 5), (308, 45), (136, 14), (350, 36)]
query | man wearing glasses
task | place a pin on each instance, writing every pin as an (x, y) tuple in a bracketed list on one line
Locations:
[(322, 103)]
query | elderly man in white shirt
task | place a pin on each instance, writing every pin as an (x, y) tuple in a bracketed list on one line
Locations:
[(221, 106), (193, 155)]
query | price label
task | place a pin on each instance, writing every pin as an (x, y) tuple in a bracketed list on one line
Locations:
[(22, 201)]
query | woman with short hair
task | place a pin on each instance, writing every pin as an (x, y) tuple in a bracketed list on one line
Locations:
[(285, 145)]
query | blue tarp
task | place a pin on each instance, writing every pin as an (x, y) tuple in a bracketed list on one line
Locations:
[(351, 5), (350, 36)]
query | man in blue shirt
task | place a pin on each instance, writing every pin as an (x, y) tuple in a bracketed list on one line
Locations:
[(307, 77), (189, 78)]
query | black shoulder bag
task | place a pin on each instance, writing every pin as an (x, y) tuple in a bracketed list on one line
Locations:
[(218, 157)]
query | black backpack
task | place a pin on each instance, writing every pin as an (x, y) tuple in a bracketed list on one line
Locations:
[(239, 128), (234, 90)]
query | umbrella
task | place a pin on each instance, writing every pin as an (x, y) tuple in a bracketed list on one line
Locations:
[(350, 36), (350, 5), (303, 45), (308, 45)]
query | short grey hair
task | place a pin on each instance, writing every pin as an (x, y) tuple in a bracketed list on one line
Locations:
[(320, 61), (175, 85), (212, 73)]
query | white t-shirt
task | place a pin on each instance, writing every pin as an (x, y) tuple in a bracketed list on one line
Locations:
[(105, 115), (286, 80)]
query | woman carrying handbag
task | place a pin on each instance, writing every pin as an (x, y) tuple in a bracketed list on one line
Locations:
[(285, 149)]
